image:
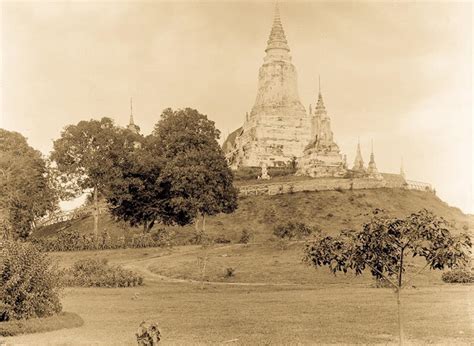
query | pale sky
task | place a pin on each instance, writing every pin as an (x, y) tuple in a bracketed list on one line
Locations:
[(397, 73)]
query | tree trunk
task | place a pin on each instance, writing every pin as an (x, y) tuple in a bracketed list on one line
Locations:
[(400, 318), (399, 303), (203, 223), (96, 212), (150, 225)]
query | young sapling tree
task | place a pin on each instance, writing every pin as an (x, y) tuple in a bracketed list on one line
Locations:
[(383, 246)]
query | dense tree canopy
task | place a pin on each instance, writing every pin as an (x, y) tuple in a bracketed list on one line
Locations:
[(90, 154), (178, 173), (196, 172), (26, 189)]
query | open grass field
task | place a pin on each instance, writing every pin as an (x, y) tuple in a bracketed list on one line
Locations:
[(273, 299)]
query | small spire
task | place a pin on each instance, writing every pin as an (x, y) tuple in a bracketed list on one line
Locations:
[(359, 161), (131, 112), (320, 108), (372, 157)]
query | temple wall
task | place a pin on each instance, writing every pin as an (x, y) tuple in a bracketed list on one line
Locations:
[(322, 184)]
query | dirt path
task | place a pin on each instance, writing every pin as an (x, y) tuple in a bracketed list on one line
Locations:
[(142, 266)]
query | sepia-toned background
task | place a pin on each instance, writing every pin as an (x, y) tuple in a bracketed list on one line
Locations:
[(400, 74)]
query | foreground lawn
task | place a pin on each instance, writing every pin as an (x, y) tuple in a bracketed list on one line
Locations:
[(277, 311), (262, 315)]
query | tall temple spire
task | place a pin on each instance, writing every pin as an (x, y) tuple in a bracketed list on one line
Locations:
[(277, 39)]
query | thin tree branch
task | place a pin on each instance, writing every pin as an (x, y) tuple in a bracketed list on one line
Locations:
[(385, 277), (416, 274)]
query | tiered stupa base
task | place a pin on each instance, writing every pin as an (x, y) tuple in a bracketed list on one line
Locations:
[(321, 161)]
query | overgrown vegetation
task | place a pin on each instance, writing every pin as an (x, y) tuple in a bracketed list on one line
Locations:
[(148, 334), (97, 273), (178, 175), (293, 230), (245, 237), (27, 192), (29, 286), (459, 276)]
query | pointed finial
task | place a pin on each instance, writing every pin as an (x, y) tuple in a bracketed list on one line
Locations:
[(277, 39), (372, 146), (319, 83), (131, 111)]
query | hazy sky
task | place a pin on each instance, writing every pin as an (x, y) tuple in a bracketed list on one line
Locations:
[(399, 74)]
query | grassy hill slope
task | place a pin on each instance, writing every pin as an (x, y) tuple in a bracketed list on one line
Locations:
[(329, 210)]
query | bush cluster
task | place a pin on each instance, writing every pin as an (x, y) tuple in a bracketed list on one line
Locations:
[(293, 230), (460, 276), (97, 273), (29, 286), (73, 240), (148, 334), (245, 237), (221, 239)]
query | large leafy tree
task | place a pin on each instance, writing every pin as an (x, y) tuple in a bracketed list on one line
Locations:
[(196, 173), (89, 154), (178, 174), (136, 195), (26, 192), (383, 246)]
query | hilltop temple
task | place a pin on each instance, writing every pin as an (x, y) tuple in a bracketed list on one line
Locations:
[(278, 130)]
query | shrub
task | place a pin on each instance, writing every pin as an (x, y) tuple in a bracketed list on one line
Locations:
[(29, 286), (200, 238), (221, 239), (461, 276), (97, 273), (148, 334), (229, 272), (292, 230), (245, 237), (73, 240)]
